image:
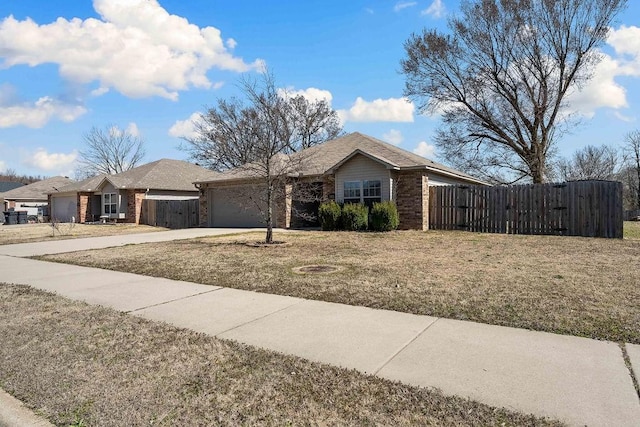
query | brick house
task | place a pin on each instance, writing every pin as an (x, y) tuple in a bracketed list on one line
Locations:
[(119, 196), (352, 168), (30, 197)]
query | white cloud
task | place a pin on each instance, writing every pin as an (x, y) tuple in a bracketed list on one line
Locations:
[(3, 166), (437, 9), (311, 94), (185, 128), (136, 48), (99, 92), (231, 43), (45, 161), (368, 10), (379, 110), (623, 118), (425, 150), (403, 5), (393, 137), (132, 129), (38, 114), (603, 90)]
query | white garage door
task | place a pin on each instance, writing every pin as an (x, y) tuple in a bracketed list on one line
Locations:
[(64, 208), (230, 207)]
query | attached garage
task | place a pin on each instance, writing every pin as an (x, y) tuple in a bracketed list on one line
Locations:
[(232, 207), (64, 208)]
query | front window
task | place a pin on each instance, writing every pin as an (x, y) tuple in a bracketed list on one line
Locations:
[(352, 192), (110, 201), (371, 192), (366, 192)]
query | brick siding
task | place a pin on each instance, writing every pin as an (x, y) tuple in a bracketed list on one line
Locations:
[(412, 199)]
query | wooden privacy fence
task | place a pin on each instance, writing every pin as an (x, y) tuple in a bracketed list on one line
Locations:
[(579, 208), (170, 213)]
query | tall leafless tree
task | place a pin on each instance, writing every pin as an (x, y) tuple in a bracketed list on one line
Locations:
[(502, 77), (590, 162), (631, 172), (110, 150), (260, 138)]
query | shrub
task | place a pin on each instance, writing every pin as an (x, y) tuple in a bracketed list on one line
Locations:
[(329, 215), (384, 216), (355, 217)]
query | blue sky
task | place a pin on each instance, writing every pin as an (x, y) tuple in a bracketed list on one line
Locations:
[(150, 65)]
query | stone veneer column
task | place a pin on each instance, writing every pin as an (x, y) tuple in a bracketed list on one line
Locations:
[(328, 187), (134, 206), (84, 208), (412, 200), (283, 208), (203, 213)]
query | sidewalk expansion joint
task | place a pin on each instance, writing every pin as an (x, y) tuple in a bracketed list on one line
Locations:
[(627, 362), (401, 349), (258, 318), (173, 300)]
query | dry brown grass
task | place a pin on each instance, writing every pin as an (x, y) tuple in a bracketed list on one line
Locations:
[(576, 286), (92, 366), (632, 230), (29, 233)]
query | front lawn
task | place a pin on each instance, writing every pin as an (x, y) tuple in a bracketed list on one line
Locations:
[(30, 233), (578, 286), (85, 365)]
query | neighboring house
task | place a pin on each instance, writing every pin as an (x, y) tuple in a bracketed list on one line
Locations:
[(352, 168), (119, 196), (30, 197), (4, 187)]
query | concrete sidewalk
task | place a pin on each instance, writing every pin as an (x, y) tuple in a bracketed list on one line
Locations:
[(85, 243), (577, 380)]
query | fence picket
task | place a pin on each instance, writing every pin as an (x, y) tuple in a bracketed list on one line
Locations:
[(581, 208)]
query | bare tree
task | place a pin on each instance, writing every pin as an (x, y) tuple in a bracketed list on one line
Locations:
[(259, 138), (591, 162), (502, 78), (630, 175), (110, 150)]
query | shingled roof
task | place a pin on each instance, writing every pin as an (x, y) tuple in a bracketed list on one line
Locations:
[(9, 185), (163, 174), (326, 157), (37, 190)]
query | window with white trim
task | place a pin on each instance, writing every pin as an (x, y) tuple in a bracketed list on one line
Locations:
[(366, 192), (110, 203), (352, 192)]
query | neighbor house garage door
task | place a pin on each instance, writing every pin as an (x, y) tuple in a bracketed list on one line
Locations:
[(64, 208), (230, 207)]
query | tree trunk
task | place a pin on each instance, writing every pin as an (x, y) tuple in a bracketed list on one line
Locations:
[(269, 237)]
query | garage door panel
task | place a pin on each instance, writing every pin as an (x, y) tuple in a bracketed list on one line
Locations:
[(64, 208), (231, 207)]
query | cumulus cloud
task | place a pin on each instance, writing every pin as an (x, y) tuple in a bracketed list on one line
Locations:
[(403, 5), (425, 150), (603, 90), (46, 161), (132, 129), (436, 9), (38, 114), (185, 128), (3, 166), (311, 94), (379, 110), (136, 48), (393, 137)]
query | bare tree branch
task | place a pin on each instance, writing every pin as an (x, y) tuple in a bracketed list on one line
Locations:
[(110, 150), (502, 77), (260, 138)]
